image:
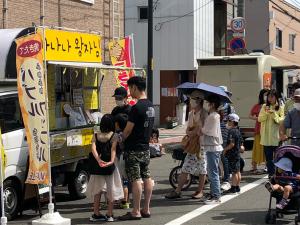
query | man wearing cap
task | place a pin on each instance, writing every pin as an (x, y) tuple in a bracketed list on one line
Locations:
[(122, 107), (292, 121)]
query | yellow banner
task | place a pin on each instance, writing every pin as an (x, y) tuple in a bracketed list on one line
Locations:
[(32, 98), (3, 157), (72, 46)]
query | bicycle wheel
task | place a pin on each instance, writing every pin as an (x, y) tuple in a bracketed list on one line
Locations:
[(174, 178)]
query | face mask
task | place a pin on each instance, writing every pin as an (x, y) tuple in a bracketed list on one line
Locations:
[(193, 103), (297, 106), (265, 98), (120, 103), (206, 106)]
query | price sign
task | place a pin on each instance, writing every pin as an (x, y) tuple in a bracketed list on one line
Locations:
[(238, 24)]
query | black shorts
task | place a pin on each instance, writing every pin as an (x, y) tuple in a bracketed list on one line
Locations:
[(234, 164)]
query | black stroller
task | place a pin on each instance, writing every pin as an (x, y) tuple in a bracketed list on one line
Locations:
[(292, 152)]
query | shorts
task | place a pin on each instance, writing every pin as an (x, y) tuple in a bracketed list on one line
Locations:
[(193, 165), (137, 165), (234, 164)]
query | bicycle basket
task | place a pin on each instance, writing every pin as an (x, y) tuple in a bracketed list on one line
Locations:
[(178, 154)]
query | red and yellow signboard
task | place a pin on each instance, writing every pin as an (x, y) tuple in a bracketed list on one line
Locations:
[(120, 56), (32, 98)]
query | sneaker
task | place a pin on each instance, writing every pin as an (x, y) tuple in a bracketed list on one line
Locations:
[(173, 195), (110, 218), (282, 204), (213, 201), (95, 218), (225, 186), (125, 205), (269, 186), (237, 189), (232, 190)]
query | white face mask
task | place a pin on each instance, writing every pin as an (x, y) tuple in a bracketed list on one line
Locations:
[(120, 103), (265, 98), (206, 106), (297, 106), (193, 103), (228, 126)]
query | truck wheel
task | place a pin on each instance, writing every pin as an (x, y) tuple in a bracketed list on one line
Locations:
[(77, 184), (12, 199)]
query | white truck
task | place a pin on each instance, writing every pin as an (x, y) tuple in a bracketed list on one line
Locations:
[(245, 76)]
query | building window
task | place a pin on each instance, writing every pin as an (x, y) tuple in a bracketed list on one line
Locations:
[(278, 38), (143, 13), (292, 38)]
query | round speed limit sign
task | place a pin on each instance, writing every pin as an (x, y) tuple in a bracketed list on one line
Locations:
[(238, 24)]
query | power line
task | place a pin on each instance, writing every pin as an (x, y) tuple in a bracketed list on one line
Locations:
[(159, 25)]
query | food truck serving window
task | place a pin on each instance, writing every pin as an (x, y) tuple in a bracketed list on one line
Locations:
[(72, 95)]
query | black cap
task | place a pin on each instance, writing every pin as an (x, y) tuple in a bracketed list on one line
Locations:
[(120, 92)]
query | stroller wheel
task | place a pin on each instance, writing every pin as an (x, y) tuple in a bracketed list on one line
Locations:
[(270, 218)]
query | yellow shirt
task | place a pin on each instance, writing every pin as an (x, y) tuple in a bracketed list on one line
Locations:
[(269, 129)]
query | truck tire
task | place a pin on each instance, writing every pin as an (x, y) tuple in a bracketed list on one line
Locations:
[(12, 196), (77, 183)]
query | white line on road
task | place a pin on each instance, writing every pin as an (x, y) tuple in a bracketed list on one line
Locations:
[(203, 209)]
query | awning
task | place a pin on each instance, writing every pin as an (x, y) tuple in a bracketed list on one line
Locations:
[(286, 67), (89, 65)]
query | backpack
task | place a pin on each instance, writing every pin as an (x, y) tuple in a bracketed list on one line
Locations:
[(103, 148)]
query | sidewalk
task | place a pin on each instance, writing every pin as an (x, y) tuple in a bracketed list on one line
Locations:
[(168, 136)]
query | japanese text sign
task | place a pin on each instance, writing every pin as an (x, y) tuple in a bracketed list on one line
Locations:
[(72, 46), (32, 98)]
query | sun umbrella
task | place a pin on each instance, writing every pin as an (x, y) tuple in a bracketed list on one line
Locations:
[(207, 89)]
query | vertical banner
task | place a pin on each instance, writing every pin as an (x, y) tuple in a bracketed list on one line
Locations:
[(3, 158), (32, 98), (120, 56)]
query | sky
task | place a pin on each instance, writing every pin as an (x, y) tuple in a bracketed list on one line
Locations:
[(294, 2)]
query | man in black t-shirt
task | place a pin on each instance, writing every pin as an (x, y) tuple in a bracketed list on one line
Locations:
[(122, 107), (137, 135)]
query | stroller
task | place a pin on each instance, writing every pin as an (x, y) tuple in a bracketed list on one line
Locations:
[(292, 152)]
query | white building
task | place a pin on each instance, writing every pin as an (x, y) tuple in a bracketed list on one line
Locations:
[(183, 32)]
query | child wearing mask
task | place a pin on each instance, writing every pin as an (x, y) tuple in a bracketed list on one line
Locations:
[(123, 107)]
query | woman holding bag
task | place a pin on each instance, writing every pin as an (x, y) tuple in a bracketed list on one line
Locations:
[(195, 160)]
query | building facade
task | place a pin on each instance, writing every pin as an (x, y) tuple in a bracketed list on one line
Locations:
[(183, 32), (274, 27), (105, 17)]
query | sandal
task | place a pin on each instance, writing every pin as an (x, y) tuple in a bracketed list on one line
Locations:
[(269, 186), (145, 215), (129, 216), (197, 195)]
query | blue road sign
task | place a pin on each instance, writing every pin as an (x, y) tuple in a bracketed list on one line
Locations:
[(237, 44)]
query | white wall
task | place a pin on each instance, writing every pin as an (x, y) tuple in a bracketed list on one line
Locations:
[(177, 44)]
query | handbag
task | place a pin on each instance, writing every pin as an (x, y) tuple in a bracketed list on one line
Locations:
[(191, 144)]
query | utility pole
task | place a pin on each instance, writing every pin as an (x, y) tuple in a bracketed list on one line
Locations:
[(150, 51)]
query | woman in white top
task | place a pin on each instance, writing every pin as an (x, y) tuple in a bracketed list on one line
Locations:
[(212, 144)]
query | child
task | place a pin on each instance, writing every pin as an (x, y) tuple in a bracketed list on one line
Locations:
[(154, 143), (232, 152), (120, 124), (287, 181), (106, 175)]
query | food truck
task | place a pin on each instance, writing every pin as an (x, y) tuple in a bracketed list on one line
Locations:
[(74, 77)]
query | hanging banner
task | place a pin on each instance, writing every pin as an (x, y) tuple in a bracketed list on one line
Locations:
[(32, 98), (3, 157), (72, 46), (120, 56)]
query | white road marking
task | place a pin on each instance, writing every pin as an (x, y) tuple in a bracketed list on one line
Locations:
[(203, 209)]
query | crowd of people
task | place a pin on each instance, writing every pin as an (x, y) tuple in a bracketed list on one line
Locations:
[(121, 149)]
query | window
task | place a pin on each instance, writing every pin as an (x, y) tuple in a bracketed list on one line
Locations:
[(143, 13), (10, 113), (292, 38), (88, 1), (278, 38)]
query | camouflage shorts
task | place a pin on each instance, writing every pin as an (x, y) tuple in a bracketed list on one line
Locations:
[(137, 165)]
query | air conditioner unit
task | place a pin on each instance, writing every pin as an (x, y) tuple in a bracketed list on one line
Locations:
[(271, 15)]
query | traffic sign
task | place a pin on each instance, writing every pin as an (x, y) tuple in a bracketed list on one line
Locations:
[(238, 24), (237, 44)]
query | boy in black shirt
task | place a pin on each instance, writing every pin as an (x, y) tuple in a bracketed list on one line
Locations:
[(137, 135), (232, 151), (122, 107)]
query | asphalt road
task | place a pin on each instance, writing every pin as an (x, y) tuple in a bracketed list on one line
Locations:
[(246, 208)]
